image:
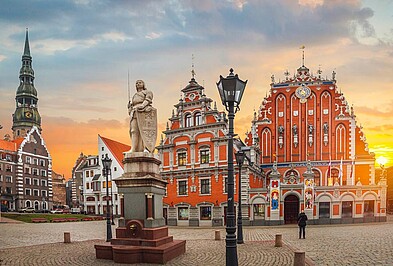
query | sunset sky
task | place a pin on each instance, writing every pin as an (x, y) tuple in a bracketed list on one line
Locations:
[(83, 49)]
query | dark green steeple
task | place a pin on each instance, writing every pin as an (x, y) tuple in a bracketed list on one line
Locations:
[(26, 114)]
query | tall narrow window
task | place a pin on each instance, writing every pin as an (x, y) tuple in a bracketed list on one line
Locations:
[(205, 186), (368, 208), (346, 209), (198, 119), (259, 211), (182, 187), (182, 158), (204, 156), (187, 120)]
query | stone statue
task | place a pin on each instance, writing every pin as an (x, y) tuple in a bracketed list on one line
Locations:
[(280, 129), (143, 119), (310, 129), (325, 128), (294, 129)]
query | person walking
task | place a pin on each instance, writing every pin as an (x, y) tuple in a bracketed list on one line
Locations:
[(302, 222)]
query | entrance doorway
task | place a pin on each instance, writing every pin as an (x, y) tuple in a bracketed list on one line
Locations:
[(291, 209)]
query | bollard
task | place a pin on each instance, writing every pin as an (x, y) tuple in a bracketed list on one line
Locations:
[(67, 237), (217, 235), (278, 241), (299, 259)]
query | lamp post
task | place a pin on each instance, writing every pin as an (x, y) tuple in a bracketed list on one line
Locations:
[(240, 160), (231, 90), (106, 163), (113, 222)]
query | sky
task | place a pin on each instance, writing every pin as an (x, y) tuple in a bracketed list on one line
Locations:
[(83, 51)]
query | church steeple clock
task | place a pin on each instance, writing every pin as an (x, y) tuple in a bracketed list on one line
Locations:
[(26, 114)]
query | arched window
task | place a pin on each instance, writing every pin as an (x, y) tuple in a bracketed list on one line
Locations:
[(187, 120), (198, 119), (27, 204)]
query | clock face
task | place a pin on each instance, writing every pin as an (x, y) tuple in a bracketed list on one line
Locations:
[(303, 92), (28, 114)]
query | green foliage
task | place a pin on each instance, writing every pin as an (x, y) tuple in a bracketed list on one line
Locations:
[(26, 217)]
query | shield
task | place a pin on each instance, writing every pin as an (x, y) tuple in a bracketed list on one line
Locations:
[(147, 123)]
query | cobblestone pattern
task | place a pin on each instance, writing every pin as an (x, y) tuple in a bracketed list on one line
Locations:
[(199, 252), (356, 244)]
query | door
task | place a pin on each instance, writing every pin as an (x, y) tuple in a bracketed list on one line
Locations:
[(291, 209)]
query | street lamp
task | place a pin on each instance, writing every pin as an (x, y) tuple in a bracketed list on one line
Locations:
[(231, 90), (240, 160), (113, 222), (240, 156), (106, 163)]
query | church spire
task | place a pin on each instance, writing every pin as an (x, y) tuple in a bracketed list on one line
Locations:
[(26, 52), (26, 113)]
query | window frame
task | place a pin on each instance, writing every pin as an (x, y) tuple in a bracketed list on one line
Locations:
[(261, 206), (185, 192), (202, 215), (181, 158), (345, 209), (197, 119), (324, 209), (186, 215), (203, 186), (204, 156)]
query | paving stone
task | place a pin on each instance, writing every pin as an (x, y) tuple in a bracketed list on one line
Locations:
[(356, 244)]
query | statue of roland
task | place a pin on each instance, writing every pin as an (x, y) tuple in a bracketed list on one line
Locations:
[(143, 119)]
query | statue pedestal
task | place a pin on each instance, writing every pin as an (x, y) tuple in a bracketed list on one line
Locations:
[(143, 236)]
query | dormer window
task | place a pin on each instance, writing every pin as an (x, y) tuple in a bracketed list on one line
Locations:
[(198, 119), (187, 120)]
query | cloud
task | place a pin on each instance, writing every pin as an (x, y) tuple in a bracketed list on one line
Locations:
[(82, 51), (375, 112)]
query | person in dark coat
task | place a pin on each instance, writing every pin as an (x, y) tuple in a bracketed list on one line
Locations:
[(302, 222)]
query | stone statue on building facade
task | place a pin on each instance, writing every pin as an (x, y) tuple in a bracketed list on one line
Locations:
[(143, 119)]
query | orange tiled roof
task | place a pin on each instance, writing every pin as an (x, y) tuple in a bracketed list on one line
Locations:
[(12, 145), (116, 148)]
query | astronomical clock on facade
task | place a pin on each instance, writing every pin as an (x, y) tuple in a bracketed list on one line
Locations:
[(25, 162), (314, 155)]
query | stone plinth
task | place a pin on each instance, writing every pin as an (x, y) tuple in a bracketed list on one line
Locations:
[(142, 236), (143, 189)]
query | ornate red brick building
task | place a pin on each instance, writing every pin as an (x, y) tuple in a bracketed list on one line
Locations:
[(314, 155), (194, 162)]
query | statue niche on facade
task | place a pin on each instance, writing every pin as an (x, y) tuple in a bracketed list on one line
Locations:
[(143, 119)]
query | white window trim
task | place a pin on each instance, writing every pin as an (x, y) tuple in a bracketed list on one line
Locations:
[(204, 148), (177, 157), (200, 186), (177, 188)]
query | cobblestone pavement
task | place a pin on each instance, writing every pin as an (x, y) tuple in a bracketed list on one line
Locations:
[(358, 244)]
